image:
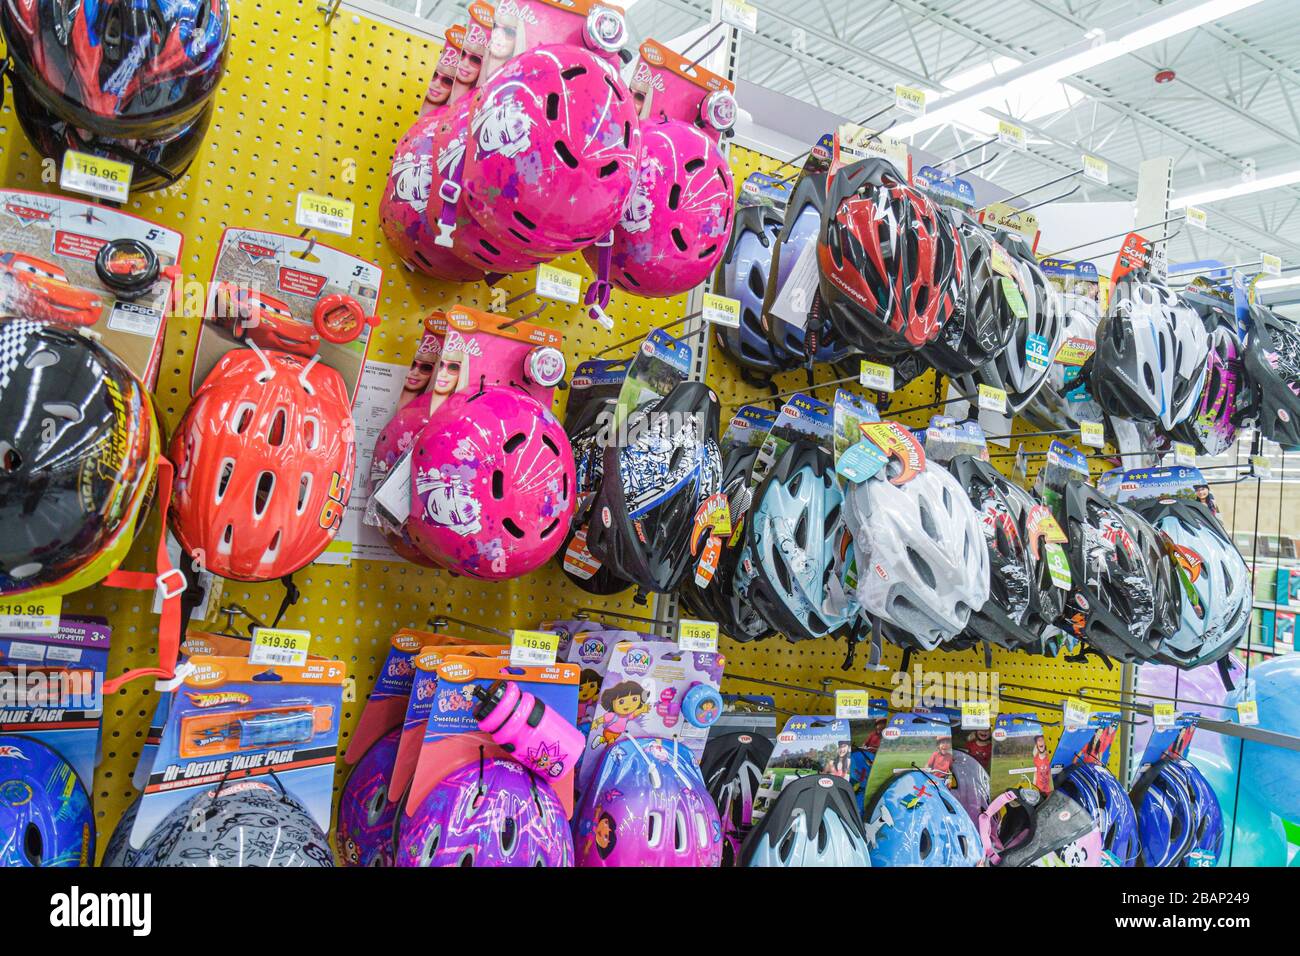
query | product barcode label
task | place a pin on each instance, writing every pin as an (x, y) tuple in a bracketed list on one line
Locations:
[(324, 213), (701, 636), (95, 176), (277, 646), (558, 284), (533, 648)]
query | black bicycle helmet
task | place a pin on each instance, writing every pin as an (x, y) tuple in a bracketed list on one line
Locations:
[(814, 822), (745, 274), (1273, 365), (586, 434), (732, 766), (982, 321), (1037, 830), (654, 485), (1166, 589)]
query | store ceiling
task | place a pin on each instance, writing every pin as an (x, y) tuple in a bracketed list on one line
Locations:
[(1235, 97)]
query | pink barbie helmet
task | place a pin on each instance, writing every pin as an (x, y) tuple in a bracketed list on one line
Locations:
[(402, 211), (676, 224), (554, 145), (364, 835), (469, 242), (492, 484), (647, 805), (489, 813), (396, 438)]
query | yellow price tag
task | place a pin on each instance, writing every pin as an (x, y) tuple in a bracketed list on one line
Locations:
[(95, 176), (910, 100), (1096, 169), (976, 715), (1009, 134), (699, 636), (852, 704), (1092, 434), (325, 213), (1248, 713), (1272, 265), (741, 15), (1164, 715), (1261, 467), (993, 399), (1077, 713), (876, 375), (1184, 454), (1196, 217), (719, 310), (558, 284), (279, 646), (533, 648), (19, 615)]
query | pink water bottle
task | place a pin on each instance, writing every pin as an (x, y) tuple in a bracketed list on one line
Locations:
[(528, 730)]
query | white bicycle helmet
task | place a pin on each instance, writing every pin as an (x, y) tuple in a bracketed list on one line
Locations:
[(814, 822), (923, 565)]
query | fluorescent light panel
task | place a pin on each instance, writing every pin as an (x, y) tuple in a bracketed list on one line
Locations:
[(1219, 193)]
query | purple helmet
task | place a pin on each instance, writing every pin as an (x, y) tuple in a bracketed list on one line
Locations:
[(45, 815), (364, 835), (648, 806), (490, 813), (1213, 428)]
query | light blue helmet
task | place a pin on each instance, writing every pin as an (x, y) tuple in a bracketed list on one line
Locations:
[(814, 822), (915, 820)]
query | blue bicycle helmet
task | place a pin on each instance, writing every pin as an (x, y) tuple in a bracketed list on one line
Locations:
[(1208, 825), (814, 822), (1166, 814), (1095, 789), (45, 815), (799, 546), (745, 273), (916, 821)]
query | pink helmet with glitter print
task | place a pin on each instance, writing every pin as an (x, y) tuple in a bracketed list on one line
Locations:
[(647, 805), (471, 243), (554, 147), (402, 211), (492, 484), (396, 438), (676, 224)]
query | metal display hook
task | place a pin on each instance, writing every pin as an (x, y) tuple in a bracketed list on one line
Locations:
[(637, 338), (1121, 235), (1099, 693), (980, 164), (587, 613), (965, 152), (442, 620), (1047, 202), (795, 391), (1034, 189)]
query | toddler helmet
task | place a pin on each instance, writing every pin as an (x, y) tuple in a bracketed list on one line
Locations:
[(675, 226), (78, 455), (493, 812), (1095, 788), (264, 458), (915, 820), (1166, 815), (554, 144), (969, 782), (1112, 603), (1037, 830), (403, 210), (1273, 364), (364, 833), (923, 565), (643, 518), (814, 822), (884, 273), (798, 546), (395, 440), (1009, 571), (745, 274), (1214, 589), (45, 814), (982, 321), (134, 69), (1207, 818), (732, 767), (492, 484), (238, 823)]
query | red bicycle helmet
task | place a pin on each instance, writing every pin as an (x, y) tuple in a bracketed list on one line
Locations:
[(886, 269), (264, 458)]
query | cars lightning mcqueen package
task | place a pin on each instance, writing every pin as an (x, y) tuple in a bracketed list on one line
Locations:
[(86, 266), (284, 293)]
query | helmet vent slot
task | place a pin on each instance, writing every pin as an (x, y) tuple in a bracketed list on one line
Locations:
[(311, 432), (550, 443), (573, 72), (678, 240), (609, 169), (708, 251), (566, 156), (514, 441), (304, 491), (509, 835), (262, 494), (512, 529), (553, 107), (674, 196), (498, 484), (64, 410), (546, 532), (223, 479), (33, 845), (654, 828), (242, 417), (681, 833), (922, 568), (524, 221), (692, 165), (41, 358)]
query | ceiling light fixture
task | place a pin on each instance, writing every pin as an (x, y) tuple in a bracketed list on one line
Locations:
[(1218, 193)]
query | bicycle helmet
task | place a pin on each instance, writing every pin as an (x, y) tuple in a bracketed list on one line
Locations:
[(670, 465), (1111, 603), (364, 832), (587, 438), (1064, 400), (1215, 592), (491, 484), (395, 439), (1041, 631), (1009, 582), (814, 822), (676, 224), (884, 277), (78, 455), (157, 161), (238, 823), (915, 820), (798, 548), (1166, 587), (1212, 429), (1272, 363), (45, 814), (125, 68), (1207, 818), (969, 782), (1095, 789), (1038, 830), (982, 322), (923, 565), (492, 812), (1166, 816), (745, 274), (732, 767), (403, 209), (264, 458), (647, 805), (554, 145), (119, 851)]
